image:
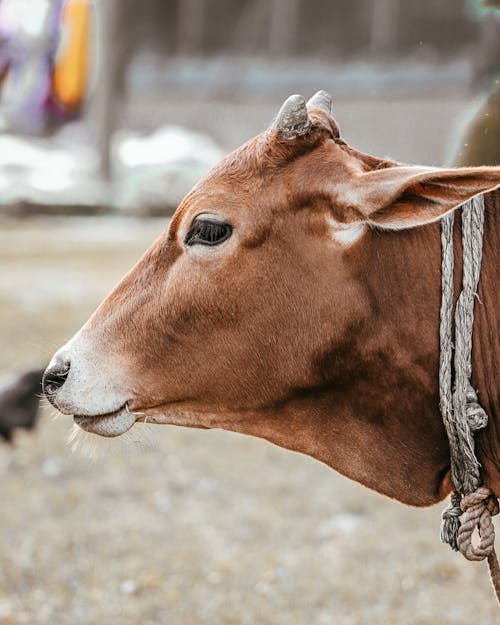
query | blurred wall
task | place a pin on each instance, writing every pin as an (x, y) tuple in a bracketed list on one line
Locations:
[(346, 28)]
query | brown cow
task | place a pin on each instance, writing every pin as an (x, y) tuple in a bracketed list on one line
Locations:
[(294, 298)]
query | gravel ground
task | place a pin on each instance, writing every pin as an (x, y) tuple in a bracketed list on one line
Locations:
[(185, 527)]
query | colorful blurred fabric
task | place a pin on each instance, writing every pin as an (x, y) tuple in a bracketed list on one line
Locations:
[(44, 62), (71, 68)]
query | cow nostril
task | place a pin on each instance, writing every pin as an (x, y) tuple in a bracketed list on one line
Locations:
[(54, 378)]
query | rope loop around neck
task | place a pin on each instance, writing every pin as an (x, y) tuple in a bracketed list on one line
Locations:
[(472, 505)]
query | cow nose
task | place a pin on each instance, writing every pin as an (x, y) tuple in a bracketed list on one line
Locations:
[(54, 377)]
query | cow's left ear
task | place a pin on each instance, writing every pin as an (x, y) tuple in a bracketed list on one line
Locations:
[(403, 197)]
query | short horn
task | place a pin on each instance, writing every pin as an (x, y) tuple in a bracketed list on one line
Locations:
[(293, 119), (321, 100)]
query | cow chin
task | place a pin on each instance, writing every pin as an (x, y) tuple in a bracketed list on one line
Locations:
[(109, 425)]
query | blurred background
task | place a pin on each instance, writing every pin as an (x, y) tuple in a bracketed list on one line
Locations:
[(110, 110)]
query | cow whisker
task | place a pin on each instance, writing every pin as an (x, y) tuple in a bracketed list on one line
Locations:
[(96, 448)]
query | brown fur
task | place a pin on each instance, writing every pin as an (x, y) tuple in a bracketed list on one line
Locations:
[(281, 332)]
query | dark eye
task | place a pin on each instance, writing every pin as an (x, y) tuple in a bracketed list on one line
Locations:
[(208, 232)]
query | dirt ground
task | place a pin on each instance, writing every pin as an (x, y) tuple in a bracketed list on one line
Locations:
[(186, 527)]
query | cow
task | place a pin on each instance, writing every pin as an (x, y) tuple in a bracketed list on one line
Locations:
[(294, 296)]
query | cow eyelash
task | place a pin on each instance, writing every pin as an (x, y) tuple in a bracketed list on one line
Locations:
[(208, 232)]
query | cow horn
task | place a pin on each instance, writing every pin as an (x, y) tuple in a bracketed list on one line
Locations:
[(293, 120), (321, 100)]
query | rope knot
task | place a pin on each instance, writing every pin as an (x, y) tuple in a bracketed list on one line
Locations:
[(450, 521), (478, 507), (476, 416)]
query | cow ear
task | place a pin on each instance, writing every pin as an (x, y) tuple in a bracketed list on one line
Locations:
[(404, 197)]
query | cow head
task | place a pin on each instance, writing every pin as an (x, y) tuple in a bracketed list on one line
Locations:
[(248, 311)]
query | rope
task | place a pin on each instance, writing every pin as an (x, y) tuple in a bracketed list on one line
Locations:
[(471, 504)]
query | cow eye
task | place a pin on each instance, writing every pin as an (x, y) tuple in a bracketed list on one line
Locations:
[(208, 232)]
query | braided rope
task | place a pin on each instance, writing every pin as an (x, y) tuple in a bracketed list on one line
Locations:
[(478, 508), (472, 505)]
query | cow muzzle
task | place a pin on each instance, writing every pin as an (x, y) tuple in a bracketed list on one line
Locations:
[(77, 382)]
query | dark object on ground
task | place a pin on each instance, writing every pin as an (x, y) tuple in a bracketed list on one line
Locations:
[(490, 4), (19, 402), (480, 145)]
